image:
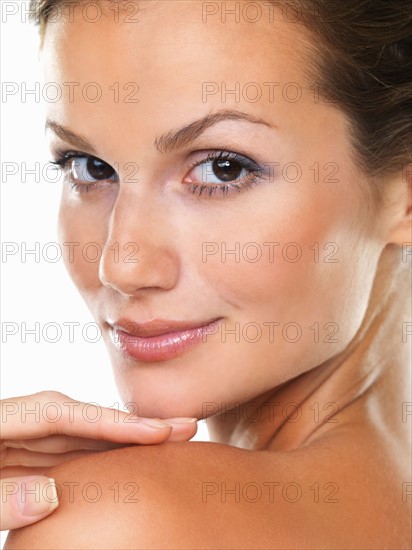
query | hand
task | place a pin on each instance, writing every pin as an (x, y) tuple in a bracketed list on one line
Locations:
[(44, 429), (25, 500)]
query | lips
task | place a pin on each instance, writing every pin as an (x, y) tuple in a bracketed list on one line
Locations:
[(157, 327), (159, 340)]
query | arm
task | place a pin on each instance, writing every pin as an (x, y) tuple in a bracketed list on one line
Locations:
[(28, 449), (203, 495), (126, 498), (150, 497)]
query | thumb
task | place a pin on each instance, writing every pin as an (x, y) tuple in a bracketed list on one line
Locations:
[(25, 500)]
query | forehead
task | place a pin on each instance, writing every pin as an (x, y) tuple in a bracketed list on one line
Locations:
[(203, 38), (161, 64)]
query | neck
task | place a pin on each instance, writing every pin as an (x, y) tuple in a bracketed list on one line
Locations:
[(359, 383)]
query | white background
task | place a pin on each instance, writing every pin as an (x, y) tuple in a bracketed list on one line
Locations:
[(35, 290)]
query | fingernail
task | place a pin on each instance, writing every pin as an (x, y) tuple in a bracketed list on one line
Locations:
[(37, 496), (182, 420), (153, 423)]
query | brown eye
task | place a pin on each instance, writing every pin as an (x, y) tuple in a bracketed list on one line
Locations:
[(98, 169), (89, 170), (227, 170)]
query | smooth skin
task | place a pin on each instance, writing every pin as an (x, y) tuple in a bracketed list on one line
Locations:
[(349, 449), (29, 449)]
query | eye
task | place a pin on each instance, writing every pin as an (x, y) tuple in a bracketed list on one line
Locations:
[(85, 171), (90, 169), (218, 170), (222, 170)]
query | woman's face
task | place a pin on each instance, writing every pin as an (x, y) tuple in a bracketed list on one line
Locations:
[(284, 256)]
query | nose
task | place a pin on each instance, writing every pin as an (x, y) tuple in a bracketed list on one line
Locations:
[(139, 253)]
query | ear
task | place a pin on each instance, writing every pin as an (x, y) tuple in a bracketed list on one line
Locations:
[(400, 229)]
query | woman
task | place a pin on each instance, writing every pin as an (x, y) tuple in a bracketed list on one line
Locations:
[(280, 314)]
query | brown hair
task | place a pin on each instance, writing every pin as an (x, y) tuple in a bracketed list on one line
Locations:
[(363, 63)]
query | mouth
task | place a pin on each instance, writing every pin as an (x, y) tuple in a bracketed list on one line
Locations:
[(159, 340)]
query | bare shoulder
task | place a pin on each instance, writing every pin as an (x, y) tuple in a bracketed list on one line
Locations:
[(207, 495)]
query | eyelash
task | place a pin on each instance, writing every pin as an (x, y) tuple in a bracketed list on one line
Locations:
[(253, 169), (63, 159)]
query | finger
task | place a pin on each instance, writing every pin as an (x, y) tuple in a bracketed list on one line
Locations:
[(56, 413), (61, 444), (22, 471), (181, 432), (21, 457), (183, 428), (26, 500)]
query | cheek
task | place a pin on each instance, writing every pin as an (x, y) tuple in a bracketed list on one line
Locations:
[(308, 266)]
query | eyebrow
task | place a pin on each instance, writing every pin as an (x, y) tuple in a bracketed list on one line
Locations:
[(170, 141), (177, 139), (67, 135)]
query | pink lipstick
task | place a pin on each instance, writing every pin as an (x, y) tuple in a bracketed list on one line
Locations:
[(159, 340)]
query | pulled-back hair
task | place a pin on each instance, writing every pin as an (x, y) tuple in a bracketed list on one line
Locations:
[(362, 62)]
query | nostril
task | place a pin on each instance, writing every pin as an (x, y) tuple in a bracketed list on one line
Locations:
[(131, 270)]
